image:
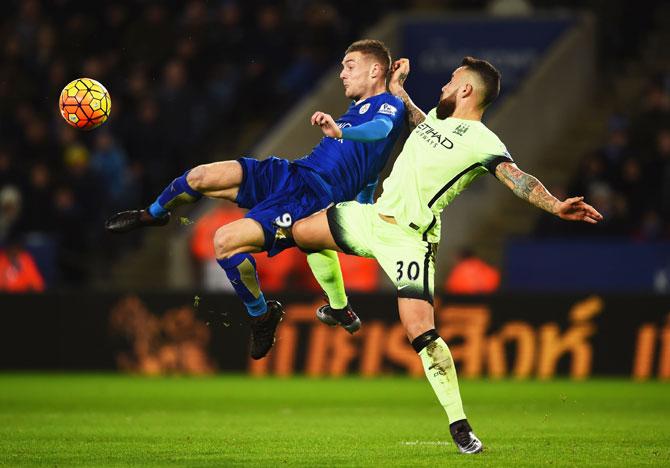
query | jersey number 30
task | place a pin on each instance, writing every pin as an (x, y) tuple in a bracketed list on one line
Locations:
[(413, 270)]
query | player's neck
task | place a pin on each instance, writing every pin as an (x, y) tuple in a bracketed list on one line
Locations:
[(467, 113), (381, 88)]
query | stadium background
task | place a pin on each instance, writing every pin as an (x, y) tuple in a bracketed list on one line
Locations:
[(585, 107)]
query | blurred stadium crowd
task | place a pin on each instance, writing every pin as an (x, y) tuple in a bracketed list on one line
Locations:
[(181, 75), (628, 177)]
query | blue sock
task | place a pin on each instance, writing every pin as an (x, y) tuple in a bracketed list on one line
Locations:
[(175, 194), (241, 271)]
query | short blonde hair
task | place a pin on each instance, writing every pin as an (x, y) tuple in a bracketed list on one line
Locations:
[(376, 49)]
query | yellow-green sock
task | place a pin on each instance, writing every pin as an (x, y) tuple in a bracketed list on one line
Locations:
[(325, 267), (441, 373)]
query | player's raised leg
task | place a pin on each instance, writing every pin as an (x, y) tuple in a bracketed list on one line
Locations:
[(325, 266), (216, 180), (416, 316), (313, 234), (233, 244)]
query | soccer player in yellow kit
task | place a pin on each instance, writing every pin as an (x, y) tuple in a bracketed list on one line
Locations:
[(447, 149)]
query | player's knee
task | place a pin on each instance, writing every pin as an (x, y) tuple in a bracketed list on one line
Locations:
[(413, 330), (417, 325), (196, 178), (223, 242)]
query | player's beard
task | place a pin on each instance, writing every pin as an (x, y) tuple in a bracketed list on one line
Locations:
[(446, 107)]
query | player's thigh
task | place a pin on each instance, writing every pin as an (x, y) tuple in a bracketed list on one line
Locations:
[(243, 235), (279, 211), (351, 226), (313, 233), (218, 180)]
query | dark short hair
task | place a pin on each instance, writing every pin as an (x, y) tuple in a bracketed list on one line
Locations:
[(376, 49), (489, 75)]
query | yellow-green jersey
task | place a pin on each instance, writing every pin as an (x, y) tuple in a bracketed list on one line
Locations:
[(438, 161)]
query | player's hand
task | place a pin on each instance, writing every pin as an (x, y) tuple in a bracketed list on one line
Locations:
[(327, 124), (575, 209), (399, 72)]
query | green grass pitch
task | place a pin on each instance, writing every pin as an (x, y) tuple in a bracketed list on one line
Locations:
[(112, 420)]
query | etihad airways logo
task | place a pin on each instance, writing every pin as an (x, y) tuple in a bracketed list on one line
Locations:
[(433, 137)]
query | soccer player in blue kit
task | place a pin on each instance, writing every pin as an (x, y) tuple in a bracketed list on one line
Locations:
[(345, 165)]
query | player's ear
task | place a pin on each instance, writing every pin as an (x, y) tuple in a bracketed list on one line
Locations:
[(467, 90), (375, 70)]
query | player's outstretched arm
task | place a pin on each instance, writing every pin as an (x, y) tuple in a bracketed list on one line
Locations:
[(327, 124), (399, 73), (528, 188), (376, 129)]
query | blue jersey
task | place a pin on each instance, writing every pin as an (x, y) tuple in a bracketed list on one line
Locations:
[(345, 167)]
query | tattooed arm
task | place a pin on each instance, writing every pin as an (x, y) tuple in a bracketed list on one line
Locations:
[(399, 73), (528, 188)]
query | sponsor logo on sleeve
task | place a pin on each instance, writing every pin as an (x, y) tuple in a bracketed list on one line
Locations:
[(387, 109)]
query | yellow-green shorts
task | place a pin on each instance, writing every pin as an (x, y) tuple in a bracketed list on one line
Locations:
[(406, 258)]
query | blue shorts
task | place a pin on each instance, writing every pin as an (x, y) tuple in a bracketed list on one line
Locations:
[(278, 193)]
